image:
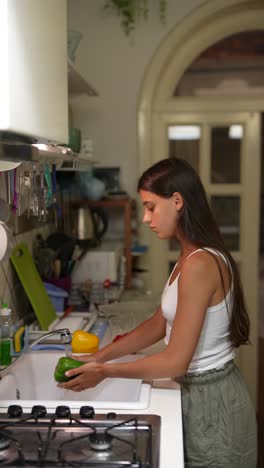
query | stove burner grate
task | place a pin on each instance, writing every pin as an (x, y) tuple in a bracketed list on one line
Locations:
[(101, 441)]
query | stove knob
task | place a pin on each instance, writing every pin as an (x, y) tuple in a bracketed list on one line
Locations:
[(14, 411), (111, 415), (39, 411), (86, 412), (63, 411)]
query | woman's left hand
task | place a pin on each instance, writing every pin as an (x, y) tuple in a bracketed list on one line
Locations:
[(87, 376)]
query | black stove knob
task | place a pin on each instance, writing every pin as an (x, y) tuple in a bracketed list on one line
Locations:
[(14, 411), (63, 411), (87, 412), (111, 415), (39, 411)]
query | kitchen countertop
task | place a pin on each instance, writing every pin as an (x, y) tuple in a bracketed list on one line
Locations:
[(167, 404)]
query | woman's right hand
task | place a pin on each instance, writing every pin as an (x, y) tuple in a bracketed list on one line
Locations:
[(83, 357)]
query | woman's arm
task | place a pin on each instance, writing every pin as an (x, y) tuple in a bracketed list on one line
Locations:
[(147, 333), (196, 287)]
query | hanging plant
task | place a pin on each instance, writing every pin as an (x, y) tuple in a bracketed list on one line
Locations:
[(130, 10)]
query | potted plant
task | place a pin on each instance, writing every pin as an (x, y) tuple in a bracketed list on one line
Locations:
[(131, 10)]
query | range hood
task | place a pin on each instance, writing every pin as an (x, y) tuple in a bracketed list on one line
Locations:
[(33, 81), (15, 149)]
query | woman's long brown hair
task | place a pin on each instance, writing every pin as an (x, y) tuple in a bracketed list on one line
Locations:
[(199, 227)]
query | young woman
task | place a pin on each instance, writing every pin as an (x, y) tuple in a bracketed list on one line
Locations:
[(203, 319)]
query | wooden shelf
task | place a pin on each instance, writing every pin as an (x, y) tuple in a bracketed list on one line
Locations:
[(77, 84), (126, 204)]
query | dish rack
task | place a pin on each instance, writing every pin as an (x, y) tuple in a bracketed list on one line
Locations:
[(75, 321)]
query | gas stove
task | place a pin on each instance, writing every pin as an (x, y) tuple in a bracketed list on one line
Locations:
[(63, 439)]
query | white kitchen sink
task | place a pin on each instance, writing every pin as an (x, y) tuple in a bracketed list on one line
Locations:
[(31, 382)]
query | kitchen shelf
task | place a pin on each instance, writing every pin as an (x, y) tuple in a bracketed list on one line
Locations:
[(77, 84), (80, 163), (126, 204)]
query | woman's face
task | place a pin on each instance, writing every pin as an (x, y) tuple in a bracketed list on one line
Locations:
[(161, 214)]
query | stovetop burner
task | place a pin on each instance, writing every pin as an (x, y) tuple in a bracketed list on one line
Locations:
[(87, 440), (101, 441), (4, 441)]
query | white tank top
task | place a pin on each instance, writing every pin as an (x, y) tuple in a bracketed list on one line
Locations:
[(214, 347)]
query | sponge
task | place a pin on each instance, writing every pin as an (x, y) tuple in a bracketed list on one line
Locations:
[(18, 339)]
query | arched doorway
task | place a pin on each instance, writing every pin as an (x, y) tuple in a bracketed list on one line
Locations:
[(159, 109)]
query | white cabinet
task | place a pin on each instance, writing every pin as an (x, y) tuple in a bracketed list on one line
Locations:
[(33, 79)]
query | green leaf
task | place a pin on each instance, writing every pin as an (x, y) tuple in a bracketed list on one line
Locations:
[(130, 10)]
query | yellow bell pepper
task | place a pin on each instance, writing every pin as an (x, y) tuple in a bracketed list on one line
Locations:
[(84, 342)]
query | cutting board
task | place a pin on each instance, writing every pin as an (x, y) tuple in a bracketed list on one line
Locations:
[(29, 276)]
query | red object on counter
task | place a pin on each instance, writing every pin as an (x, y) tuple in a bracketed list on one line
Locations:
[(118, 337), (107, 283), (68, 311)]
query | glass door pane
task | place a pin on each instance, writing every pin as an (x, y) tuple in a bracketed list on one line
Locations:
[(227, 213), (226, 154), (184, 143)]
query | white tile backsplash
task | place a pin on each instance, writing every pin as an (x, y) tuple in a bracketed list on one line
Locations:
[(10, 288)]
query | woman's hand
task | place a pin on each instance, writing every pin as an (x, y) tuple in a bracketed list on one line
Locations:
[(87, 376), (83, 357)]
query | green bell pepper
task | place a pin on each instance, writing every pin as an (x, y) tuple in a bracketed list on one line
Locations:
[(63, 365)]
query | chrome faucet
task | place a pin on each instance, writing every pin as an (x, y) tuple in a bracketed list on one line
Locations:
[(65, 337)]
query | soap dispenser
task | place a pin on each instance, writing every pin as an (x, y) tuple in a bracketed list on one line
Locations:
[(5, 335)]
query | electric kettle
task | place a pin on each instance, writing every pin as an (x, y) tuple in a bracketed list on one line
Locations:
[(89, 223)]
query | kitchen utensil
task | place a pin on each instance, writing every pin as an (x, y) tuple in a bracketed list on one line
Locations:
[(68, 311), (28, 186), (42, 195), (49, 191), (85, 224), (89, 223), (57, 209), (4, 210), (34, 202), (33, 285), (8, 187), (15, 197), (4, 206)]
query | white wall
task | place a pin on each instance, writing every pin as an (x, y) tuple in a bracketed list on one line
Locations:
[(115, 66)]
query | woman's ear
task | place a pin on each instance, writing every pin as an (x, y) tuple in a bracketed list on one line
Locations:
[(178, 200)]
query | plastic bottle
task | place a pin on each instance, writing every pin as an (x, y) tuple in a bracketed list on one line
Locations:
[(5, 335)]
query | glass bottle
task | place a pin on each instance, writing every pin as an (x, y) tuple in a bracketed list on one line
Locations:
[(5, 335)]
